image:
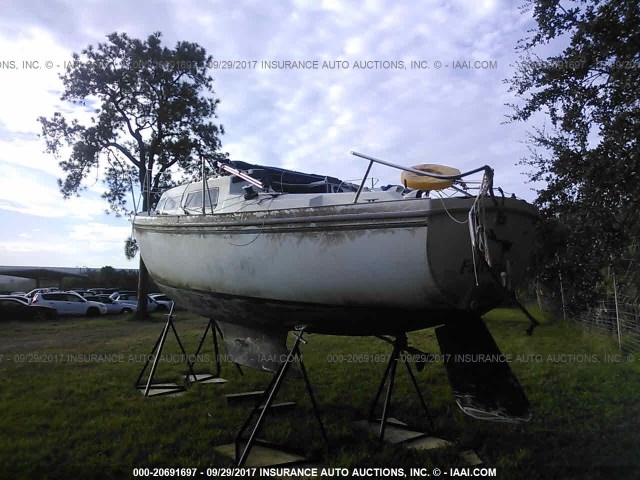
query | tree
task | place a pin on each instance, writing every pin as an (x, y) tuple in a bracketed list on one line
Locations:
[(154, 115), (589, 157), (108, 275)]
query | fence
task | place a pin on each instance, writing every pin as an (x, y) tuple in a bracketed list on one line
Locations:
[(614, 313), (617, 317)]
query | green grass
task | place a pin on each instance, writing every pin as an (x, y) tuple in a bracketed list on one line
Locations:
[(58, 410)]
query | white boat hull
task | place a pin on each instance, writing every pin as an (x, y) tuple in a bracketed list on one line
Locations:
[(334, 264)]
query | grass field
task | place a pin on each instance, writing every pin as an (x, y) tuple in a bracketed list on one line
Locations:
[(61, 408)]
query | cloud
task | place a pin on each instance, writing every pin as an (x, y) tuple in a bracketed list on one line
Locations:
[(31, 192), (27, 88), (94, 244), (99, 233), (43, 246), (312, 119)]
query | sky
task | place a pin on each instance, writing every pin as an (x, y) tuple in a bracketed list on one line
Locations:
[(368, 97)]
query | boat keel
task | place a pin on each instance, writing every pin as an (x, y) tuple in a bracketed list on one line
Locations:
[(483, 384)]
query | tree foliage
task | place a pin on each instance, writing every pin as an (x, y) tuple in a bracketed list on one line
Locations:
[(153, 114), (588, 158), (106, 276)]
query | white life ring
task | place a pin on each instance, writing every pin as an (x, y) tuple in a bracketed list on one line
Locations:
[(421, 182)]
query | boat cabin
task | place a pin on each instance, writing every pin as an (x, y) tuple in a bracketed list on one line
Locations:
[(228, 193)]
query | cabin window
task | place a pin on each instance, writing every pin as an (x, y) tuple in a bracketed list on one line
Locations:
[(172, 203), (193, 200), (161, 203)]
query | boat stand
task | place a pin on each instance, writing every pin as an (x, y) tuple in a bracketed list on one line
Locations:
[(156, 351), (212, 327), (243, 447), (400, 351)]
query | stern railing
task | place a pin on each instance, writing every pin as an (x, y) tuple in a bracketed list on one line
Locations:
[(476, 216), (488, 173)]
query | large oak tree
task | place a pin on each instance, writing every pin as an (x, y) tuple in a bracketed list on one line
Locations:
[(588, 154), (153, 115)]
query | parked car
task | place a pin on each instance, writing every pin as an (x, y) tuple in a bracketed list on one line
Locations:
[(24, 298), (130, 298), (20, 294), (79, 291), (33, 292), (69, 303), (123, 293), (164, 302), (113, 306), (102, 291), (12, 308)]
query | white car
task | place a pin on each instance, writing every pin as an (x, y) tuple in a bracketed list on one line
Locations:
[(130, 299), (69, 303), (164, 302), (113, 306)]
